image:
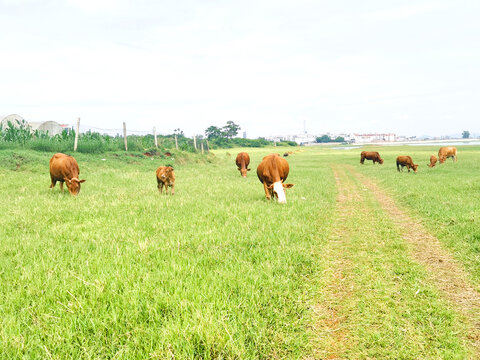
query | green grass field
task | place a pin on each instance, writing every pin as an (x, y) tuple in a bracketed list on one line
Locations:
[(216, 271)]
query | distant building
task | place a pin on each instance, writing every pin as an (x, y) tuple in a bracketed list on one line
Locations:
[(52, 127), (300, 139), (244, 134), (370, 138), (15, 119)]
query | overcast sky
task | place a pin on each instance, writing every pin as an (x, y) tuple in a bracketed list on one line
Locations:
[(408, 67)]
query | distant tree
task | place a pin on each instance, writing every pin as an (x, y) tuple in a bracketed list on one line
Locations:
[(323, 139), (466, 134), (178, 132), (213, 132), (339, 139), (230, 130)]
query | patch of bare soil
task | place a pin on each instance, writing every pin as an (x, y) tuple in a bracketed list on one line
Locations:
[(330, 327), (445, 272)]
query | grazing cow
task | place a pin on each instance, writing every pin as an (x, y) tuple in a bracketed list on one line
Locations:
[(64, 168), (166, 176), (272, 172), (370, 155), (406, 161), (433, 161), (446, 152), (242, 162)]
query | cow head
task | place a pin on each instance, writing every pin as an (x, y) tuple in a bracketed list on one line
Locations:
[(167, 173), (73, 185), (243, 172), (415, 167), (278, 189), (381, 161)]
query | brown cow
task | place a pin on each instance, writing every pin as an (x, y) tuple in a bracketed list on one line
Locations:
[(166, 176), (406, 161), (272, 172), (242, 162), (370, 155), (446, 152), (433, 161), (64, 168)]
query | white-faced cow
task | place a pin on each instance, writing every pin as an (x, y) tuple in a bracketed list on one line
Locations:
[(272, 172)]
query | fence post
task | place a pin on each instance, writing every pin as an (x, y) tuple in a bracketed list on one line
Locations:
[(195, 142), (75, 145), (202, 146), (176, 142), (155, 136), (208, 146), (125, 135)]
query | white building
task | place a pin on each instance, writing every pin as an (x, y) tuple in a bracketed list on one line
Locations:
[(299, 139), (370, 138)]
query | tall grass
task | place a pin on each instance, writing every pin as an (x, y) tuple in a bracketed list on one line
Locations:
[(215, 271)]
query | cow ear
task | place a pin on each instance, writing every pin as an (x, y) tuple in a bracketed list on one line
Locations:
[(270, 186), (287, 186), (82, 181), (67, 180)]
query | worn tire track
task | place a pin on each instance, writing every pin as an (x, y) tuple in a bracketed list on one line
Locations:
[(331, 324), (444, 271)]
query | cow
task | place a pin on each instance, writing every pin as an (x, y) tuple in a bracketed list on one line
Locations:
[(433, 161), (64, 168), (370, 155), (242, 162), (272, 172), (406, 161), (166, 176), (446, 152)]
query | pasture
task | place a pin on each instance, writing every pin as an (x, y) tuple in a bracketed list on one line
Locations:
[(216, 271)]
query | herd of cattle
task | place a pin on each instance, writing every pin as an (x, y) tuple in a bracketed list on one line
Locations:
[(404, 160), (272, 171)]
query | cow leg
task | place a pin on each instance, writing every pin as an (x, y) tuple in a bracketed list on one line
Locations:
[(172, 190), (398, 168), (52, 185), (267, 191), (61, 186), (160, 187)]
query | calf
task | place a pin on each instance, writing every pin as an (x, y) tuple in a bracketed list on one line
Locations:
[(406, 161), (433, 161), (166, 176), (64, 168), (242, 162), (445, 152), (370, 155)]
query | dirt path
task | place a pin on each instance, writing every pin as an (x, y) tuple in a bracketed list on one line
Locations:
[(355, 246), (444, 271), (331, 324)]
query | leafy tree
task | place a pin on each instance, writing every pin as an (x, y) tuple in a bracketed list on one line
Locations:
[(339, 139), (323, 139), (466, 134), (213, 132), (230, 130)]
